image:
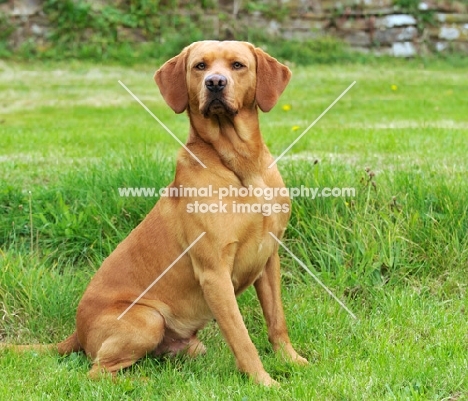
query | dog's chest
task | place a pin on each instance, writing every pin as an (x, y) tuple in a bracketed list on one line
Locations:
[(254, 252)]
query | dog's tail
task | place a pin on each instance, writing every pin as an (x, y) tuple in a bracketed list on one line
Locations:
[(71, 344), (29, 347)]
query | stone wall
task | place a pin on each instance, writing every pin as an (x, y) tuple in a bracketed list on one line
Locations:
[(382, 26), (366, 25)]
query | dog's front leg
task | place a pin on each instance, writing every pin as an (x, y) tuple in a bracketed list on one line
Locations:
[(220, 297), (268, 288)]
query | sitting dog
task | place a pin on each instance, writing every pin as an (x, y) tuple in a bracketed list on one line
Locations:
[(221, 86)]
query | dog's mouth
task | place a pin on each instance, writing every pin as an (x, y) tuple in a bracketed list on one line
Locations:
[(217, 106)]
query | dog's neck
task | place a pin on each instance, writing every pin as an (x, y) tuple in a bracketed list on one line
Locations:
[(236, 140)]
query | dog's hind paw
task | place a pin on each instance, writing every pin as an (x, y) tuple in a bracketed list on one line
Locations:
[(196, 347)]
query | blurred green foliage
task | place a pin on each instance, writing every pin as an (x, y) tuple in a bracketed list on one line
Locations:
[(135, 31)]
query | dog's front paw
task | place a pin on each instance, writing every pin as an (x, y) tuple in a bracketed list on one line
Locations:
[(289, 354), (299, 360), (265, 379)]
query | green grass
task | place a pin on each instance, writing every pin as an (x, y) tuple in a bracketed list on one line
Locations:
[(396, 253)]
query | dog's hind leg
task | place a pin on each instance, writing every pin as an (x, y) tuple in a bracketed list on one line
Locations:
[(138, 333)]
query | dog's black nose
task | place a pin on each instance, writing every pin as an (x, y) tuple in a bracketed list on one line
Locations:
[(215, 82)]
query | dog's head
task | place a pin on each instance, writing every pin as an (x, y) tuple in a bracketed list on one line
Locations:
[(216, 78)]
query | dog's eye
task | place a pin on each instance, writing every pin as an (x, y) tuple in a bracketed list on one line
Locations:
[(200, 66), (237, 66)]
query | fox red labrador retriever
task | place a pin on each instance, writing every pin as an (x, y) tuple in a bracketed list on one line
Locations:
[(221, 85)]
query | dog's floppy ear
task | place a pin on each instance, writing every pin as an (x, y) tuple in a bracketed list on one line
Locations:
[(170, 79), (272, 78)]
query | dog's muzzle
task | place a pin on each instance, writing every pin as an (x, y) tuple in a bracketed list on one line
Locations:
[(215, 83), (215, 103)]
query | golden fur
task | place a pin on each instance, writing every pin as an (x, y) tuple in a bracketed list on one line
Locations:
[(237, 249)]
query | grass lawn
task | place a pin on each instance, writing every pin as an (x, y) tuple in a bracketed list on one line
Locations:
[(396, 253)]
